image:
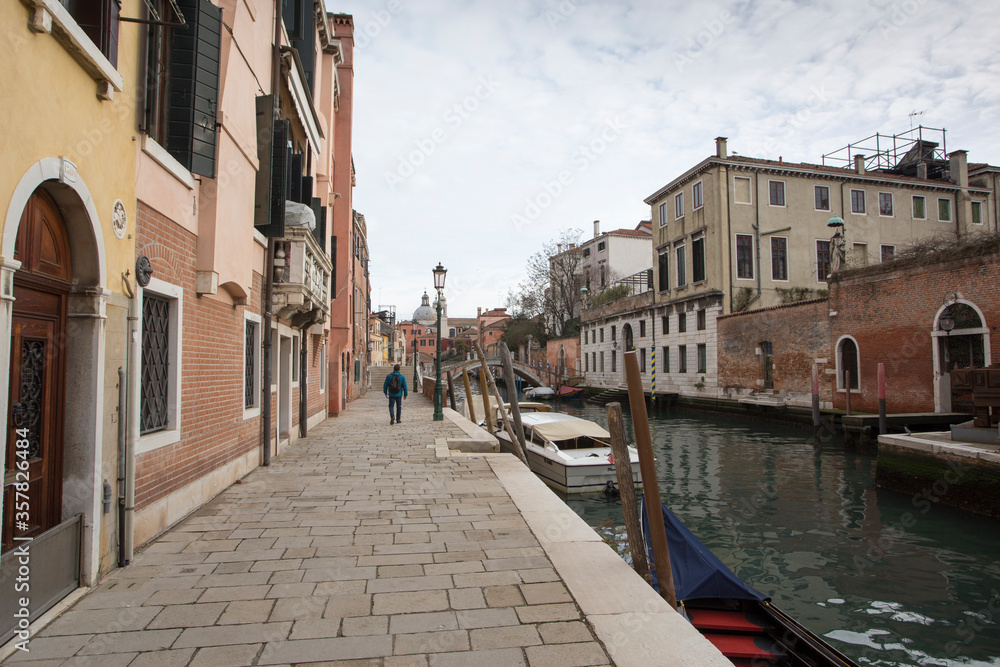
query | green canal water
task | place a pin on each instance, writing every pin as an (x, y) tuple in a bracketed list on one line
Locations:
[(887, 578)]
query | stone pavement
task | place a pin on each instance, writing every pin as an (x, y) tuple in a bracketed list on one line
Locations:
[(369, 544)]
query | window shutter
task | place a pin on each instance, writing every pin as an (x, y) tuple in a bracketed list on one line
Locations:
[(295, 183), (272, 155), (194, 87), (294, 14), (320, 232), (333, 271)]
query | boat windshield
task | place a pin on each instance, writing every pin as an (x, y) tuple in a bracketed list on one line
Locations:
[(583, 442)]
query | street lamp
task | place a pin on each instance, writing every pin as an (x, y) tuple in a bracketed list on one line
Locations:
[(439, 276)]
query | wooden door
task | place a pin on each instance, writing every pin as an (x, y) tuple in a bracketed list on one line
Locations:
[(32, 485)]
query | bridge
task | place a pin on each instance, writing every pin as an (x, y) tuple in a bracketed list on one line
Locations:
[(523, 371)]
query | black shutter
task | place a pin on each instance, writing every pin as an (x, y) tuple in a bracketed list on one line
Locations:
[(295, 184), (294, 16), (281, 164), (194, 87), (333, 271), (306, 191), (320, 231), (272, 152), (306, 43)]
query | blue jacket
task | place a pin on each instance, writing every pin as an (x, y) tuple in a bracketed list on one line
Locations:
[(385, 385)]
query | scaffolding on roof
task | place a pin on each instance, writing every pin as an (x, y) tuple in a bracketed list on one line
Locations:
[(897, 153)]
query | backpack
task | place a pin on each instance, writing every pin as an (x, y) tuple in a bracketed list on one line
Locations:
[(395, 383)]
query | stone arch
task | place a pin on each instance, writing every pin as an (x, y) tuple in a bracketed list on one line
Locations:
[(85, 336), (942, 340), (848, 359)]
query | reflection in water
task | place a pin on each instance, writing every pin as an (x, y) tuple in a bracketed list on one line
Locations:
[(888, 580)]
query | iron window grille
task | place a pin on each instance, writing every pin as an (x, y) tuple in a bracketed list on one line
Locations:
[(154, 415), (250, 369)]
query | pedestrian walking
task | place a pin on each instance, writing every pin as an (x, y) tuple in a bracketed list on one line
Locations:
[(395, 388)]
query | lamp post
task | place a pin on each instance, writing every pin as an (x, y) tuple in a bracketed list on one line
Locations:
[(416, 376), (439, 276)]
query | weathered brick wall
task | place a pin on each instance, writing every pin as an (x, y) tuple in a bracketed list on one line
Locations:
[(799, 335), (213, 431), (892, 315)]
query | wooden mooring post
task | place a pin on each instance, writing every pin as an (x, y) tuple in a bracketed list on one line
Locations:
[(626, 487), (650, 484), (503, 413), (882, 427), (451, 389), (468, 397)]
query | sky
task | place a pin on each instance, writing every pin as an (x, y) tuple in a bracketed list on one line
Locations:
[(485, 128)]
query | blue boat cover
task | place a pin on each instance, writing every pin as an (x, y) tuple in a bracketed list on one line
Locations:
[(698, 573)]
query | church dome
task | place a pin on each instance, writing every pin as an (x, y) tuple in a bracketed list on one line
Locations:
[(425, 314)]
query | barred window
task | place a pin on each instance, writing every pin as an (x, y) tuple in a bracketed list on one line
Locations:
[(155, 364)]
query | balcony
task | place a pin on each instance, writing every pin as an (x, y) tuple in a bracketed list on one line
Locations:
[(301, 271)]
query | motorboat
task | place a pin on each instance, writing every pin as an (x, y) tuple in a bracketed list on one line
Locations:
[(570, 454), (737, 618), (540, 393)]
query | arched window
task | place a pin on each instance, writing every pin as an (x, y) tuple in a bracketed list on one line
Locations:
[(848, 362)]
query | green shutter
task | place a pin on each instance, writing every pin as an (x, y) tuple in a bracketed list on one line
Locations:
[(194, 87)]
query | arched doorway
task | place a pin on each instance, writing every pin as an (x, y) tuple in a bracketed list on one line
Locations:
[(36, 403), (627, 335), (961, 343)]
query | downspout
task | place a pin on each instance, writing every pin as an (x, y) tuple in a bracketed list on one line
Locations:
[(756, 229), (126, 466), (303, 381), (265, 335), (729, 235)]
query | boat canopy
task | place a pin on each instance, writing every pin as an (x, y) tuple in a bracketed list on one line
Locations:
[(556, 426), (698, 573)]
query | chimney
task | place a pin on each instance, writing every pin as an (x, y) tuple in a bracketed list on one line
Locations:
[(859, 164), (721, 151), (958, 166), (597, 228), (922, 170)]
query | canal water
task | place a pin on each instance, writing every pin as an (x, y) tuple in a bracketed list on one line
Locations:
[(886, 578)]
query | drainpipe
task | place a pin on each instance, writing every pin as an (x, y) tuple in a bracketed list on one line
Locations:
[(265, 336), (126, 520), (756, 229), (122, 450)]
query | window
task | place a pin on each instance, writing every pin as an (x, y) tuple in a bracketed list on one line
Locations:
[(602, 334), (744, 256), (977, 212), (944, 210), (586, 363), (642, 328), (698, 260), (602, 361), (702, 358), (642, 360), (858, 202), (682, 362), (160, 363), (663, 214), (779, 258), (295, 359), (742, 190), (885, 204), (666, 359), (702, 320), (99, 19), (696, 197), (663, 268), (322, 367), (679, 205), (665, 324), (822, 198), (614, 361), (593, 361), (776, 191), (681, 270), (604, 276), (822, 260), (919, 207), (614, 332), (888, 252), (586, 252), (682, 323), (251, 364), (180, 60), (600, 246), (155, 374)]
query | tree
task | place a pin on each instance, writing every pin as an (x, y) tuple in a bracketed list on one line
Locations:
[(551, 288), (519, 328)]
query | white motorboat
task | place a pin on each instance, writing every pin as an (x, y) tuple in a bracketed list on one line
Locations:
[(570, 454), (540, 393)]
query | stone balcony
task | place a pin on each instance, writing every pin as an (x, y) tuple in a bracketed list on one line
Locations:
[(301, 278)]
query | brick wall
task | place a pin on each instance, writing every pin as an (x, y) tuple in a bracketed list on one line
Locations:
[(891, 315), (213, 431), (799, 335)]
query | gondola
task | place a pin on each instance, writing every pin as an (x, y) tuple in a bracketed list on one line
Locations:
[(738, 619)]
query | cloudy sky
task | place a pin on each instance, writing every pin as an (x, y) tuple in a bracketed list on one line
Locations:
[(484, 128)]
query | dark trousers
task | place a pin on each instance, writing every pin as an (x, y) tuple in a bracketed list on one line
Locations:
[(398, 402)]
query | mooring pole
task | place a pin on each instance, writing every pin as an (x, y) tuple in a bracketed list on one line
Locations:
[(815, 397), (626, 486), (650, 484), (468, 397), (882, 426)]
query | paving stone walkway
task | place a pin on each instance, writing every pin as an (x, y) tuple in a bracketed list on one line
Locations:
[(358, 546)]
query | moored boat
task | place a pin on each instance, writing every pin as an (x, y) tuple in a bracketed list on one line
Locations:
[(570, 454), (737, 618), (540, 393)]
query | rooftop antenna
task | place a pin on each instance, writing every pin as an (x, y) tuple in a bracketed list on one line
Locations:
[(915, 113)]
